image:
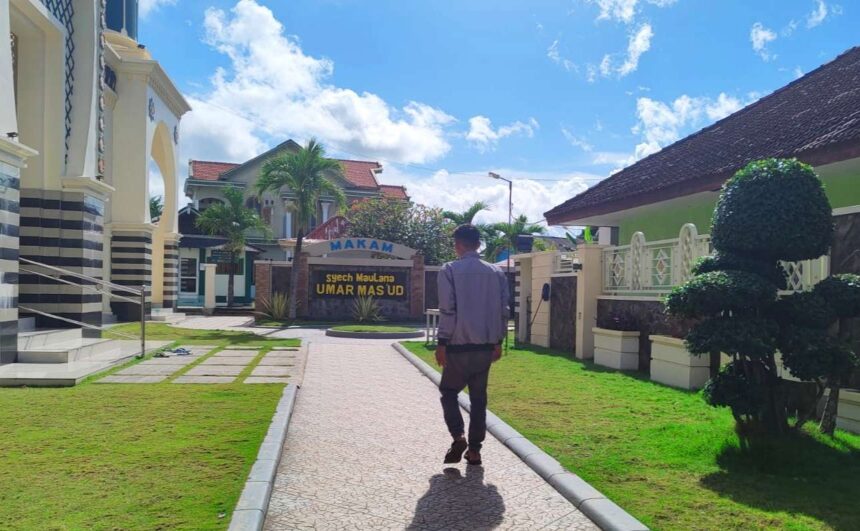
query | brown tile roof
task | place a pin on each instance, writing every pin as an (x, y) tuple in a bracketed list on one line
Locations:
[(393, 191), (815, 118), (361, 174), (209, 171)]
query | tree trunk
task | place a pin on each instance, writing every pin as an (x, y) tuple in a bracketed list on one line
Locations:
[(230, 280), (294, 276), (828, 419)]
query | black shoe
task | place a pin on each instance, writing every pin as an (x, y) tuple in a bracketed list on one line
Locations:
[(473, 461), (455, 453)]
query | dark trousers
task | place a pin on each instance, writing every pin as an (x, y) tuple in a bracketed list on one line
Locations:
[(466, 369)]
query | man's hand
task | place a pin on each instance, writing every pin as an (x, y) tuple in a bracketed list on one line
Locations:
[(440, 355), (497, 353)]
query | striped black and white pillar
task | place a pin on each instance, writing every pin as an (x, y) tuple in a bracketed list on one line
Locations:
[(171, 271), (131, 265), (9, 186), (62, 229)]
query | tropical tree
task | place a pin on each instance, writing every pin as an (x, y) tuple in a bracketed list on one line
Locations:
[(424, 229), (232, 220), (467, 216), (307, 175), (156, 207), (503, 236)]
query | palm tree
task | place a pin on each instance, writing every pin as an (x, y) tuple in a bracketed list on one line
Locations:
[(466, 217), (306, 174), (156, 207), (501, 236), (231, 220)]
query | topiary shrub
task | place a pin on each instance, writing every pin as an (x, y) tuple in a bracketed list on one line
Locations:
[(773, 209), (770, 211)]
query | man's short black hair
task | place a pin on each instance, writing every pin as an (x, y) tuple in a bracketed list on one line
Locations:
[(469, 235)]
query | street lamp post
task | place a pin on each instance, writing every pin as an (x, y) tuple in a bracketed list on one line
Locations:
[(512, 243)]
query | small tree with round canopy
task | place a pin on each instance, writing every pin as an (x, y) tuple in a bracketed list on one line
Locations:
[(770, 211)]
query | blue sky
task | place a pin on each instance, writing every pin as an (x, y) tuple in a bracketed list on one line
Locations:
[(555, 94)]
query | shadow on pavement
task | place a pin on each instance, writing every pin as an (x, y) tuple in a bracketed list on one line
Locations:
[(454, 499)]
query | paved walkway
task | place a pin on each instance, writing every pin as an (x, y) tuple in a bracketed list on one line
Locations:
[(364, 451)]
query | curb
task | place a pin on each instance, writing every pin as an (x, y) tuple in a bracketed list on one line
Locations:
[(602, 511), (374, 335), (250, 511)]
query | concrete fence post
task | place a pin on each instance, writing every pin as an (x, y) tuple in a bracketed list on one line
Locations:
[(209, 288), (589, 287)]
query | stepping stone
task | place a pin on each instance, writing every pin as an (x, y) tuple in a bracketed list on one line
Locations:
[(294, 349), (265, 380), (198, 350), (144, 369), (240, 347), (278, 360), (215, 370), (172, 360), (115, 378), (225, 360), (272, 371), (249, 354), (204, 379)]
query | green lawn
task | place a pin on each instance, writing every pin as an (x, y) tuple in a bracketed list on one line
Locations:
[(666, 456), (374, 328), (149, 456), (163, 331)]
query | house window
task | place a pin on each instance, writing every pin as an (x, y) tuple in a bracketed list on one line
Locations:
[(208, 202), (188, 275)]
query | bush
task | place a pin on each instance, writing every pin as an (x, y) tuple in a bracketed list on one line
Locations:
[(773, 209), (753, 337), (811, 353), (767, 269), (276, 308), (732, 388), (842, 293), (365, 309), (805, 309), (713, 293)]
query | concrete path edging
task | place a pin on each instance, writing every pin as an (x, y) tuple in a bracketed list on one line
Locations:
[(331, 332), (250, 511), (600, 509)]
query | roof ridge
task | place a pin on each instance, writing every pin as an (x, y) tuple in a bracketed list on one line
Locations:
[(361, 161), (212, 161)]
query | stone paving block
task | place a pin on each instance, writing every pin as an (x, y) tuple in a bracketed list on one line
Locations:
[(172, 360), (232, 353), (243, 348), (294, 349), (284, 361), (225, 360), (215, 370), (268, 370), (204, 379), (265, 380), (144, 369), (131, 379)]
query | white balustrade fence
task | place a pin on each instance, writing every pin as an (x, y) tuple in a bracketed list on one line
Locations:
[(645, 268)]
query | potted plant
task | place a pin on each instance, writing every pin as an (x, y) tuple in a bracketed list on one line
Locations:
[(616, 342)]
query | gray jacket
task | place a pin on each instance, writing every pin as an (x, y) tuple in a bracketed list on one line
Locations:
[(473, 302)]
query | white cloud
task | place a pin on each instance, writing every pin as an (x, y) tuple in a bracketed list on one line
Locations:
[(555, 56), (148, 6), (760, 36), (624, 10), (788, 30), (576, 141), (613, 158), (798, 72), (817, 16), (482, 135), (660, 124), (638, 43), (272, 90), (531, 196)]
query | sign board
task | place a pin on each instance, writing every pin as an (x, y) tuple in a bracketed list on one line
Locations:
[(369, 245), (219, 256), (352, 283)]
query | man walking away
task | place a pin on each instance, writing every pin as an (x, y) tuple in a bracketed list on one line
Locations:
[(473, 321)]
